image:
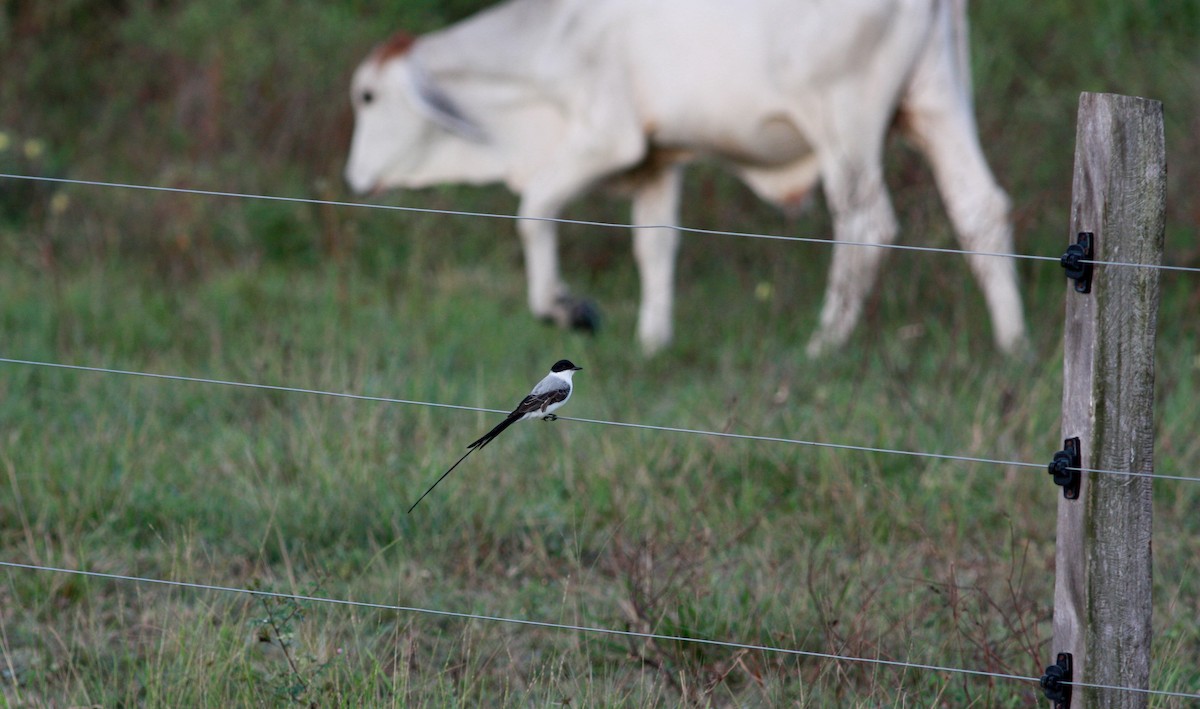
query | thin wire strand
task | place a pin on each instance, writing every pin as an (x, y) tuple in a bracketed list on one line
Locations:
[(518, 621), (579, 222), (622, 424), (578, 628), (248, 385), (1118, 688), (514, 217), (1155, 266)]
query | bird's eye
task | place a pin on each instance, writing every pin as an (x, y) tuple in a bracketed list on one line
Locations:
[(367, 96)]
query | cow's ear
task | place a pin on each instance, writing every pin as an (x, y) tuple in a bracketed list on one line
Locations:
[(437, 105)]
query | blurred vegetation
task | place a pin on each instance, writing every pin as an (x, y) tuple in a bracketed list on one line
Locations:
[(250, 96), (877, 556)]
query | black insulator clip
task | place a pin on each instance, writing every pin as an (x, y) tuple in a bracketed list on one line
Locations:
[(1056, 682), (1077, 261), (1066, 468)]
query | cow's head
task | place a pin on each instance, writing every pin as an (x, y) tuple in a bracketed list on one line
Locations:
[(400, 115)]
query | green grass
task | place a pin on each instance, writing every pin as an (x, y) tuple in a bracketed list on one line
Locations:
[(828, 551), (790, 546)]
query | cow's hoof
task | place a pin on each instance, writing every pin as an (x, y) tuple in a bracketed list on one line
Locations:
[(578, 314)]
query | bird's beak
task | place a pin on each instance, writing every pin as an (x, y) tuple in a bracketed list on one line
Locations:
[(577, 368)]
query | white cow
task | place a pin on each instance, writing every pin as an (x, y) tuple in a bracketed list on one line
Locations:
[(553, 97)]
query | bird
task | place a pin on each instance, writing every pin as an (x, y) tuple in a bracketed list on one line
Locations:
[(545, 398)]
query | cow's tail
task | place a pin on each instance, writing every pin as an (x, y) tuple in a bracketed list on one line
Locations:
[(962, 38)]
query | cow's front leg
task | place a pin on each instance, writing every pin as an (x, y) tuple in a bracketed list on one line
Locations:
[(656, 203), (863, 217), (539, 242), (578, 165), (549, 297)]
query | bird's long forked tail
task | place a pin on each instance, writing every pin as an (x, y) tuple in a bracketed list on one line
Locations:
[(452, 467), (496, 431), (483, 441)]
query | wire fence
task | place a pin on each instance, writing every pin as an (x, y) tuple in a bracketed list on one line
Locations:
[(897, 664), (659, 428), (582, 222), (601, 422)]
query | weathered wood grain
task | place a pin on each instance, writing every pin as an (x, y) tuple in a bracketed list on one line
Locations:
[(1103, 565)]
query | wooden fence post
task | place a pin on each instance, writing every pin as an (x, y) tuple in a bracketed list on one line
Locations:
[(1103, 569)]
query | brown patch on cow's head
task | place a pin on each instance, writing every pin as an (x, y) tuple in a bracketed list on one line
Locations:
[(396, 45)]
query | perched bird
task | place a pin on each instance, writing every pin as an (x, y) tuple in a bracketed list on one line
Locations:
[(547, 396)]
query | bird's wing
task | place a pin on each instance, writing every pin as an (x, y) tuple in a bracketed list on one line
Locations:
[(539, 401), (530, 406), (547, 383)]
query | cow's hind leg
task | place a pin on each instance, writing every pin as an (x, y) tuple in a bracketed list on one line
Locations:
[(863, 220), (936, 114), (977, 207), (656, 202)]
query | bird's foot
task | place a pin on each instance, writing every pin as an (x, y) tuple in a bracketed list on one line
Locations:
[(550, 417)]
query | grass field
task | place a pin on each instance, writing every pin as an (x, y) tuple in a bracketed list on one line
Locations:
[(866, 555)]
